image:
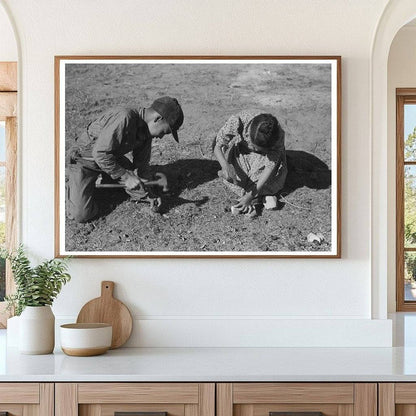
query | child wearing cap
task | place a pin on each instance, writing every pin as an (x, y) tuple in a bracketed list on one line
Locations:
[(251, 151), (102, 148)]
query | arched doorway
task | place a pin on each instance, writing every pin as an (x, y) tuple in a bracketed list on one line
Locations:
[(396, 14)]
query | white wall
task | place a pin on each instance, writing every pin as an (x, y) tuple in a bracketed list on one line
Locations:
[(182, 300), (8, 47), (401, 74)]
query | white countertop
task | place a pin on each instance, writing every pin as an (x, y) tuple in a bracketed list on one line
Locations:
[(213, 364)]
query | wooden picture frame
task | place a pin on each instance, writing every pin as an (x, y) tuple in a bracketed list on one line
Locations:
[(303, 93)]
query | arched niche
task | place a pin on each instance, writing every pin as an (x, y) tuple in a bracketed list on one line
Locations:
[(396, 14)]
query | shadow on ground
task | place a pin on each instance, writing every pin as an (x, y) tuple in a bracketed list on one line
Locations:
[(187, 174), (305, 169), (184, 174)]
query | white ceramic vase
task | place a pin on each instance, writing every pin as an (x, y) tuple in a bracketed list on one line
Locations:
[(37, 330)]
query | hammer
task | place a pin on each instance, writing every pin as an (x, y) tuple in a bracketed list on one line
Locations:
[(161, 181)]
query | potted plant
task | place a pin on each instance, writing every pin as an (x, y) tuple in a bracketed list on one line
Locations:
[(36, 289)]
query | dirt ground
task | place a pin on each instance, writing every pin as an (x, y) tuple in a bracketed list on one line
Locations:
[(196, 214)]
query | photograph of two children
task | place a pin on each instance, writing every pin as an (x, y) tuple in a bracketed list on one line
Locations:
[(197, 156)]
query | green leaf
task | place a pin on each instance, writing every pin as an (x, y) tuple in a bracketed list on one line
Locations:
[(35, 286)]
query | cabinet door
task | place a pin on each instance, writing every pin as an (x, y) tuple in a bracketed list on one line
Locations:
[(27, 399), (397, 399), (144, 399), (297, 399)]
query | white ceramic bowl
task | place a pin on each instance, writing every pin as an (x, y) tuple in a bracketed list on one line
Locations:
[(84, 340)]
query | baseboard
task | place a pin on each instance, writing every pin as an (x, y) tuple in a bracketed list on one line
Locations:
[(166, 332)]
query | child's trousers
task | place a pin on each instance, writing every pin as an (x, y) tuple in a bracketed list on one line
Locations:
[(80, 188)]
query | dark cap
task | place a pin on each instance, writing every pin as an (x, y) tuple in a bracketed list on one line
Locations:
[(171, 111)]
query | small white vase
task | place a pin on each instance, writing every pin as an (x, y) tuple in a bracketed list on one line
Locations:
[(37, 330)]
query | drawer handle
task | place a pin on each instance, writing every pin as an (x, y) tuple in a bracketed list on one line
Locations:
[(139, 414), (296, 414)]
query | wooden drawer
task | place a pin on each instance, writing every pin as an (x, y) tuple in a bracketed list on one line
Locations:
[(27, 399), (105, 399), (331, 399), (397, 399)]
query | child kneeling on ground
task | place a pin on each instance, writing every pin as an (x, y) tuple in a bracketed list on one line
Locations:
[(104, 147), (251, 151)]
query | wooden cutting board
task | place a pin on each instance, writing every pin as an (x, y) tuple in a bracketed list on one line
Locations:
[(107, 309)]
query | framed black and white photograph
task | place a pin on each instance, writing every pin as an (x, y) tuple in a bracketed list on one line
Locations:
[(198, 156)]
